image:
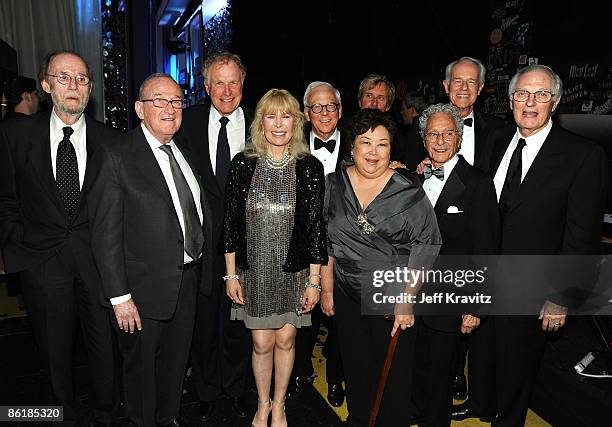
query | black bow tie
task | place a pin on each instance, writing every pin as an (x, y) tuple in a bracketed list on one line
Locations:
[(428, 172), (468, 121), (330, 145)]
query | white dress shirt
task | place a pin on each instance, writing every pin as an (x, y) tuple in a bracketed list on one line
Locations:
[(328, 159), (164, 164), (468, 145), (433, 186), (78, 140), (235, 133), (528, 155)]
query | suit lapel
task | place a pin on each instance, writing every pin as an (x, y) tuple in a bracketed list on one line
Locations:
[(453, 189), (144, 161), (40, 149), (480, 133)]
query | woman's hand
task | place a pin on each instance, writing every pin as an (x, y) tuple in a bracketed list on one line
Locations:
[(403, 322), (233, 289), (327, 303), (310, 298)]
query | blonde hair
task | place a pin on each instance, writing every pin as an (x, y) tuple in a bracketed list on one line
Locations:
[(272, 102)]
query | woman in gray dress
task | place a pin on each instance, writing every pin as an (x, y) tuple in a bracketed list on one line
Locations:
[(274, 243), (378, 220)]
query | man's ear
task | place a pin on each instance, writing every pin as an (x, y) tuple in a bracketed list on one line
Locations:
[(45, 86), (139, 110)]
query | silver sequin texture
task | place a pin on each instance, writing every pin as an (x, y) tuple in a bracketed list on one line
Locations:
[(270, 211)]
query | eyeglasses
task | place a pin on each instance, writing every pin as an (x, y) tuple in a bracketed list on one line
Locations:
[(177, 104), (65, 79), (318, 108), (447, 135), (541, 96)]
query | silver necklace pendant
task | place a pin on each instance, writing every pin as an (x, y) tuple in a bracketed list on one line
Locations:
[(363, 224)]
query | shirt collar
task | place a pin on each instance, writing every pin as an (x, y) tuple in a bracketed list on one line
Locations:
[(335, 135), (234, 118), (538, 137), (449, 166), (151, 140), (57, 124)]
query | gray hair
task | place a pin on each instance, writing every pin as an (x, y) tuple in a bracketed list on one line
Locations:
[(222, 58), (482, 71), (557, 83), (312, 86), (151, 77), (413, 99), (373, 80), (449, 109)]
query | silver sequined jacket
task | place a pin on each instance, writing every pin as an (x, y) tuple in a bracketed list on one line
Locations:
[(308, 243)]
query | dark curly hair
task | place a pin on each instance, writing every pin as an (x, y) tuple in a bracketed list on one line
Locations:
[(369, 119)]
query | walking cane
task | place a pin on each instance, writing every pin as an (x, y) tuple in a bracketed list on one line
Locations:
[(382, 379)]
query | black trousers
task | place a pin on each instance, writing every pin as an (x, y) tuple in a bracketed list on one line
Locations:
[(363, 346), (433, 375), (60, 294), (520, 344), (305, 342), (221, 348), (155, 359)]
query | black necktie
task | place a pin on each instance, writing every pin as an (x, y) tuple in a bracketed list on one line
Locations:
[(513, 178), (194, 238), (223, 154), (468, 121), (428, 172), (330, 145), (67, 173)]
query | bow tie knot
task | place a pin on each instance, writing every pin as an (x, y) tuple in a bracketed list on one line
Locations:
[(330, 145), (428, 172), (468, 122)]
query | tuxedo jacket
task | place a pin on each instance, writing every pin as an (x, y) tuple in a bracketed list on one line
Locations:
[(473, 229), (33, 223), (560, 203), (486, 133), (137, 238), (194, 135)]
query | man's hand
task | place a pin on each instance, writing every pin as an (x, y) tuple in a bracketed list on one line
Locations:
[(421, 167), (127, 316), (552, 316), (327, 303), (234, 291), (397, 165), (469, 323)]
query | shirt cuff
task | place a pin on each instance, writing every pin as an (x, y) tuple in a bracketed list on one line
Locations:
[(120, 299)]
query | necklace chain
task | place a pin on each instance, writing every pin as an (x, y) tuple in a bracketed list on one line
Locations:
[(280, 163)]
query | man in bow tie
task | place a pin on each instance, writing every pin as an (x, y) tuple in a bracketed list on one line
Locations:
[(323, 109), (465, 204)]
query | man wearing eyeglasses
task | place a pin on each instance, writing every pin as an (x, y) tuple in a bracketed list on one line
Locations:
[(45, 177), (464, 201), (152, 241), (323, 110), (551, 187)]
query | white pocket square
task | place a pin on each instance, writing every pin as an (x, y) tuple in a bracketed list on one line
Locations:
[(453, 209)]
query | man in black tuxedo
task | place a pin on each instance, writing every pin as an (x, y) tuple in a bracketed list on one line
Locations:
[(152, 240), (551, 187), (323, 110), (466, 209), (45, 177), (215, 132)]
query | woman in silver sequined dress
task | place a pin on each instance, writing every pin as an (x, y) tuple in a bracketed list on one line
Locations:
[(274, 243)]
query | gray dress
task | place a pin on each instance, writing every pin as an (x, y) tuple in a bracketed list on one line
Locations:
[(272, 296)]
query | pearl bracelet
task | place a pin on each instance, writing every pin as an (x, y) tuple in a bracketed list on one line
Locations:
[(313, 285), (231, 277)]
